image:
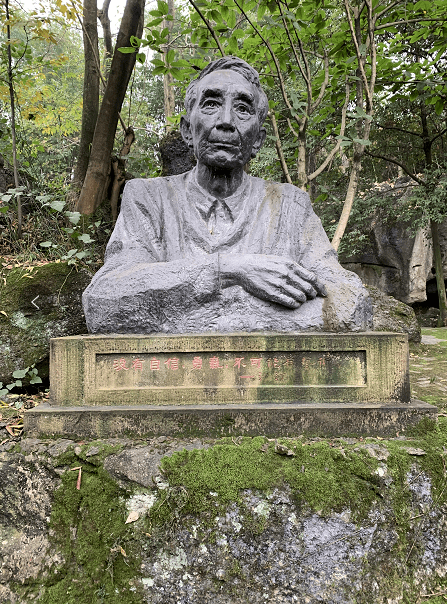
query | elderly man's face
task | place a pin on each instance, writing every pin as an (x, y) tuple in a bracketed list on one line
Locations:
[(224, 125)]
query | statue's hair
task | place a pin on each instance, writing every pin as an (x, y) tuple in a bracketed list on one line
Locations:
[(234, 64)]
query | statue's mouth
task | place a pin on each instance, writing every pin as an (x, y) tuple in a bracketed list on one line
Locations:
[(224, 144)]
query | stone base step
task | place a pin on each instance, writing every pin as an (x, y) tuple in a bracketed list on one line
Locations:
[(292, 419)]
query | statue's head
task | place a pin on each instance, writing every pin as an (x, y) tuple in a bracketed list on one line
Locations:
[(225, 109)]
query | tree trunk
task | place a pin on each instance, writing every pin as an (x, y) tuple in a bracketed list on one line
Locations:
[(96, 179), (168, 80), (350, 196), (90, 99), (103, 16), (13, 125), (442, 321)]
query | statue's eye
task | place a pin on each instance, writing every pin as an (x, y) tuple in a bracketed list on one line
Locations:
[(211, 103), (243, 109)]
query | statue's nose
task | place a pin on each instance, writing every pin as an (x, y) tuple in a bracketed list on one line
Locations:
[(225, 117)]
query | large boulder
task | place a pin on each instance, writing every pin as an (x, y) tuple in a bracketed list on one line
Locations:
[(331, 522), (394, 259), (176, 156), (392, 315), (38, 303)]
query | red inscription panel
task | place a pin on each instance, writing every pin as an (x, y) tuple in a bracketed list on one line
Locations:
[(230, 369)]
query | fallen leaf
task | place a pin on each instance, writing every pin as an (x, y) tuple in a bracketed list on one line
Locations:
[(132, 517), (123, 552)]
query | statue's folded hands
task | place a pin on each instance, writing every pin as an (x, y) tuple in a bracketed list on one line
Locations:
[(271, 278)]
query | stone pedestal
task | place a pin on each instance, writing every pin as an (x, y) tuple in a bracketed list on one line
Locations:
[(279, 384)]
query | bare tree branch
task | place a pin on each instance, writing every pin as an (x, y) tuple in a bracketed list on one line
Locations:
[(279, 147), (333, 152), (397, 163)]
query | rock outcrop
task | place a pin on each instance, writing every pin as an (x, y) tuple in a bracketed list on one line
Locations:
[(38, 303), (392, 315), (311, 521), (394, 260)]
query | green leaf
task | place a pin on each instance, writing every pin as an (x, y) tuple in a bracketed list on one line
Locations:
[(362, 141), (163, 7), (57, 205), (85, 238), (81, 255), (232, 45), (73, 217), (439, 106), (20, 373), (127, 49), (46, 244), (141, 57), (159, 71), (170, 55), (35, 380)]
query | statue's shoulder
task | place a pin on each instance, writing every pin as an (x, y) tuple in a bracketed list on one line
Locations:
[(283, 190), (156, 183)]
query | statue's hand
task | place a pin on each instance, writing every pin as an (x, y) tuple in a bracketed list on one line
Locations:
[(272, 278)]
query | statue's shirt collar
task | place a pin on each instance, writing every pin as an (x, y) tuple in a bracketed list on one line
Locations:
[(206, 203)]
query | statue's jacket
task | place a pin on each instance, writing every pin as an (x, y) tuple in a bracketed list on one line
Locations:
[(161, 269)]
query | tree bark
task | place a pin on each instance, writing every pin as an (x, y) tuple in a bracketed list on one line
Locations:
[(96, 179), (103, 16), (90, 98), (349, 199), (168, 80), (13, 124)]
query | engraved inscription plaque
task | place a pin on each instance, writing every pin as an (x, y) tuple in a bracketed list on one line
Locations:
[(230, 369)]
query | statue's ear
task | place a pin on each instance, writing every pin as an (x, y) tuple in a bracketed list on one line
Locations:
[(259, 141), (185, 131)]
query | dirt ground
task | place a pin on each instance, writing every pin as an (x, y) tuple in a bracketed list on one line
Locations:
[(428, 367)]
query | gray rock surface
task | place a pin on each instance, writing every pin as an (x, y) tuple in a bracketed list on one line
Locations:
[(176, 156), (397, 262), (26, 328), (264, 548), (392, 315)]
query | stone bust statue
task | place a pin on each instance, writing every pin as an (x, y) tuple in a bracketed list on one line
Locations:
[(217, 250)]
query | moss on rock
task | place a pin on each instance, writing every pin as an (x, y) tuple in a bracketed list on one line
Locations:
[(38, 303)]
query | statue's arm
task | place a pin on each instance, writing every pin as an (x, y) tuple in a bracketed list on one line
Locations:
[(137, 289)]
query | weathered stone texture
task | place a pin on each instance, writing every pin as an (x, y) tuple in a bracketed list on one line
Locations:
[(176, 156), (390, 314), (394, 260), (26, 328), (266, 547)]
